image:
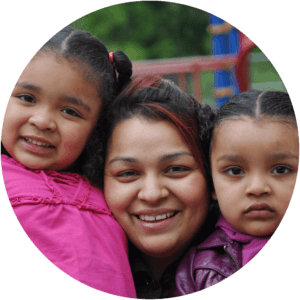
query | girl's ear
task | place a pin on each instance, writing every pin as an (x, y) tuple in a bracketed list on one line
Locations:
[(214, 196)]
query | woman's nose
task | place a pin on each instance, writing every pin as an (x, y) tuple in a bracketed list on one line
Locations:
[(152, 190), (258, 185), (43, 119)]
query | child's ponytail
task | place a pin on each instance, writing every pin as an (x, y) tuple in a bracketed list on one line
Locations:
[(123, 66)]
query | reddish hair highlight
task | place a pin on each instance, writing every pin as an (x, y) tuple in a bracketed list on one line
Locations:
[(188, 135)]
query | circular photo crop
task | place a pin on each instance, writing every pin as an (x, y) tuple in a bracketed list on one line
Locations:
[(149, 150)]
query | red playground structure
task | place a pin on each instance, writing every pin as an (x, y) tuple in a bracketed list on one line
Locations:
[(229, 62)]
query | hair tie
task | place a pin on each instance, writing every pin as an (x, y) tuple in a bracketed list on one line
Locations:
[(111, 57)]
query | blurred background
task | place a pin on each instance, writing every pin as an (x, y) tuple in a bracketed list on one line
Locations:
[(201, 53)]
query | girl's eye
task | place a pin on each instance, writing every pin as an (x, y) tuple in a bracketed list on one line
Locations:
[(27, 98), (281, 170), (234, 171), (71, 112)]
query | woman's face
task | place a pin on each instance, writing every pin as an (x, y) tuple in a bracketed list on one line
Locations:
[(154, 187)]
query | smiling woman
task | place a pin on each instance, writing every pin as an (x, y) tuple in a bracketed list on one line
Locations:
[(147, 188), (156, 179)]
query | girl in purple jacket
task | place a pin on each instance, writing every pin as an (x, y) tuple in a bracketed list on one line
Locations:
[(254, 162)]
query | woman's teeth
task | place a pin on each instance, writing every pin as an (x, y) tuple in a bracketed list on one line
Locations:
[(37, 143), (156, 218)]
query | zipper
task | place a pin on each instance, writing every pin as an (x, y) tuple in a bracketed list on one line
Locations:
[(234, 260)]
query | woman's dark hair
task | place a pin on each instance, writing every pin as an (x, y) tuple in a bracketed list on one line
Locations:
[(92, 56), (154, 98)]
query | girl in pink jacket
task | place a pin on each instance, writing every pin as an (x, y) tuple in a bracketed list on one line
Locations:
[(49, 128)]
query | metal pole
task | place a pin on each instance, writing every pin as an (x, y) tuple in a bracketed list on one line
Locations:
[(225, 41)]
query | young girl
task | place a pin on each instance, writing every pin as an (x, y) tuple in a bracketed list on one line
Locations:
[(254, 163), (49, 129), (155, 177)]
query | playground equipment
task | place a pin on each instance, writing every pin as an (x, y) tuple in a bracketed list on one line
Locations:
[(229, 62)]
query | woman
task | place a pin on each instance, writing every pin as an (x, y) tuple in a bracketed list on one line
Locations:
[(156, 178)]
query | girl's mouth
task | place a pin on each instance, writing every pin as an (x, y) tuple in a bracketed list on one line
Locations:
[(36, 146), (34, 142)]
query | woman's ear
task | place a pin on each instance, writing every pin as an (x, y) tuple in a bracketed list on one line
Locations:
[(214, 196)]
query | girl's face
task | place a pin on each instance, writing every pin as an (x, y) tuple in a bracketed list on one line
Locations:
[(50, 115), (154, 186), (254, 168)]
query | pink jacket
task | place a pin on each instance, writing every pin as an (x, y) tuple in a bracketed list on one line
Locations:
[(70, 223)]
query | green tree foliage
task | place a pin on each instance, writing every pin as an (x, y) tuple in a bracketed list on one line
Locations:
[(150, 29)]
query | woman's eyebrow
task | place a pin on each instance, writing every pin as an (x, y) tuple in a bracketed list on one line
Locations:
[(174, 155), (165, 157), (124, 159)]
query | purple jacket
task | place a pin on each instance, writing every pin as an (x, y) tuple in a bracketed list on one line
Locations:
[(215, 259)]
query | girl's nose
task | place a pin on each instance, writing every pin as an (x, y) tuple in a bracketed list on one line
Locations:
[(43, 120), (152, 190), (258, 185)]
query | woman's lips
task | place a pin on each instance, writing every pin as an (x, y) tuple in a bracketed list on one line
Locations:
[(153, 218), (156, 220)]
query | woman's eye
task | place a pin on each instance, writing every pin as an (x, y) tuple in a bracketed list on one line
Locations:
[(177, 169), (281, 170), (127, 174), (234, 171), (71, 112), (27, 98)]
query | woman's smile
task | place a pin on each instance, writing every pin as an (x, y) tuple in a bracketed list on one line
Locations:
[(157, 226), (156, 218), (155, 189)]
